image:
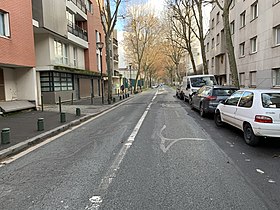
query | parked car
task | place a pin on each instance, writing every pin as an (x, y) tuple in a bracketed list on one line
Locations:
[(207, 98), (192, 83), (255, 112)]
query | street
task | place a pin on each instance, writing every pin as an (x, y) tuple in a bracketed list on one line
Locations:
[(151, 152)]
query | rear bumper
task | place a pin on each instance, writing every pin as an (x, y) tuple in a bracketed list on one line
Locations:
[(269, 130)]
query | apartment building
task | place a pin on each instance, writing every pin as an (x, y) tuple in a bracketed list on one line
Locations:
[(68, 62), (114, 58), (255, 29), (17, 55)]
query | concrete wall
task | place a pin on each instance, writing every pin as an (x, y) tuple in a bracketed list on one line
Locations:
[(42, 49), (26, 84), (54, 16), (20, 84), (10, 84)]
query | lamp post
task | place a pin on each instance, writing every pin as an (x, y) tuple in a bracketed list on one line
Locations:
[(100, 45), (130, 82)]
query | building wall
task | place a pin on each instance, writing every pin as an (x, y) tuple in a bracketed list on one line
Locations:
[(18, 49), (93, 25), (42, 49), (255, 69)]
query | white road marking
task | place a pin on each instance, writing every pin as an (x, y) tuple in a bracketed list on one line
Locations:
[(177, 114), (271, 181), (96, 200), (173, 141), (25, 152), (260, 171)]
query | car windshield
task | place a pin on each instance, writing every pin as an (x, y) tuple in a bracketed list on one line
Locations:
[(223, 92), (271, 100), (201, 81)]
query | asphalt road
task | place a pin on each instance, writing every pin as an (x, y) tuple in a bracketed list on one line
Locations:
[(152, 152)]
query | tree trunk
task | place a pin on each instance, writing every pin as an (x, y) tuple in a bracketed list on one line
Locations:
[(108, 62), (193, 63), (230, 48)]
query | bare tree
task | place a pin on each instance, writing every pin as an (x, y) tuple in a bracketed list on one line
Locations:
[(181, 17), (225, 8), (109, 13), (197, 6), (141, 32)]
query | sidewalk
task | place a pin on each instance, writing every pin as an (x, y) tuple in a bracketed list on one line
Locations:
[(23, 125)]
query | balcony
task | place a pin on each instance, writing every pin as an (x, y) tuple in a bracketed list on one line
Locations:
[(80, 4), (116, 57), (115, 42), (77, 31)]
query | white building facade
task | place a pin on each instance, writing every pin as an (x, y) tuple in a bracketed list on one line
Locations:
[(255, 29)]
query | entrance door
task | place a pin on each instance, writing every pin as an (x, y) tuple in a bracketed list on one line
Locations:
[(2, 87)]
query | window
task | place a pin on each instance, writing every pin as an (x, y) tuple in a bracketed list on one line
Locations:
[(89, 6), (276, 77), (271, 100), (213, 43), (253, 42), (242, 19), (253, 78), (218, 39), (246, 99), (61, 52), (254, 10), (212, 62), (207, 64), (70, 18), (56, 81), (242, 49), (207, 47), (4, 24), (277, 35), (242, 79), (234, 98), (232, 24), (75, 57), (213, 22), (218, 17)]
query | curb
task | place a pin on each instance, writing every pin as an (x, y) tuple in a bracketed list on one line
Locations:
[(40, 138)]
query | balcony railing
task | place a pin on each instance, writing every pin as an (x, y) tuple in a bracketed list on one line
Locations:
[(77, 31), (80, 4)]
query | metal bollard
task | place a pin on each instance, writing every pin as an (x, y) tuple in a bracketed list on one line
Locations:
[(123, 96), (120, 98), (114, 100), (5, 136), (128, 95), (78, 112), (62, 117), (40, 124)]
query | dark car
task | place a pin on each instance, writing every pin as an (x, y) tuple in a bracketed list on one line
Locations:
[(207, 98)]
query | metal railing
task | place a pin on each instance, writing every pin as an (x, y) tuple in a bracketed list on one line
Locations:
[(80, 4), (77, 31)]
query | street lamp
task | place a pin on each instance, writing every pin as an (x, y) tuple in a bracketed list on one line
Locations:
[(100, 45), (130, 82)]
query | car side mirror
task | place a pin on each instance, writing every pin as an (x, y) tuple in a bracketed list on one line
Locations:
[(223, 101)]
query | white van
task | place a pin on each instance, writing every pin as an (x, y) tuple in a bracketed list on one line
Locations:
[(192, 83)]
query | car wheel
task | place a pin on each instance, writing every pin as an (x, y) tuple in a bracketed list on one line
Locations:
[(201, 111), (249, 136), (191, 104), (218, 119)]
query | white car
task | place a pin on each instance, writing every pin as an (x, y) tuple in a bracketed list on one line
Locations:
[(256, 112)]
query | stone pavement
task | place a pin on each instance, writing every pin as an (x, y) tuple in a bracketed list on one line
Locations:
[(23, 125)]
